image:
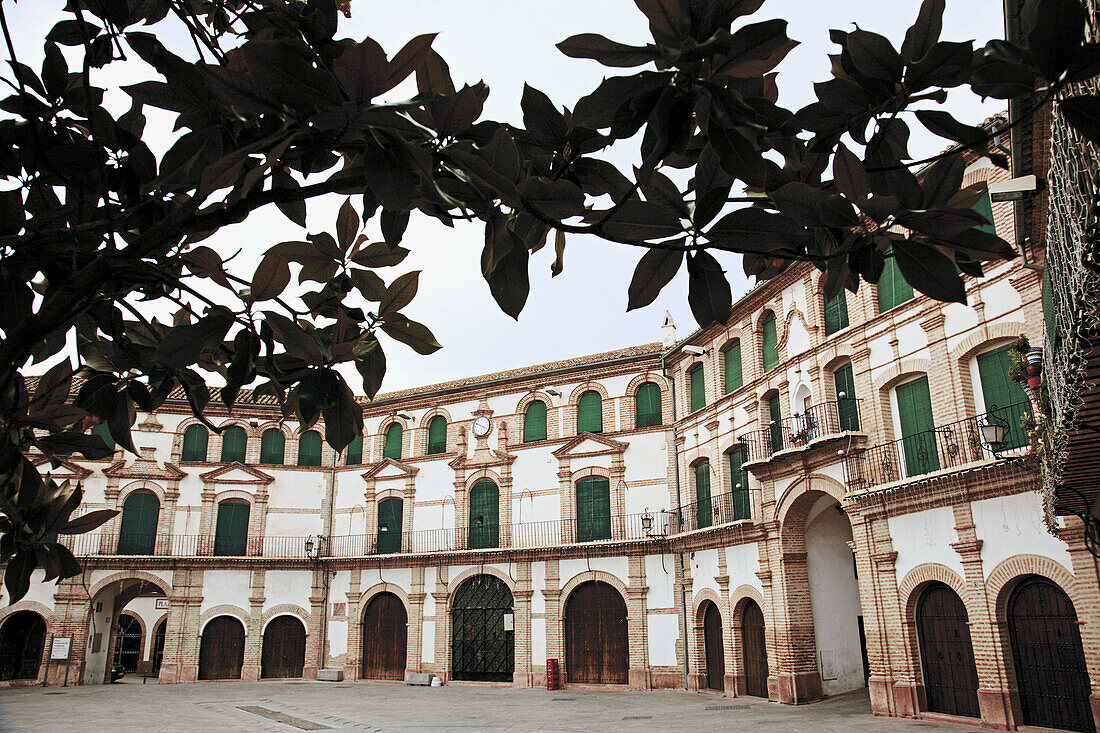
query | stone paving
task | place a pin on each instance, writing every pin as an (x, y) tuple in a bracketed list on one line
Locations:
[(376, 707)]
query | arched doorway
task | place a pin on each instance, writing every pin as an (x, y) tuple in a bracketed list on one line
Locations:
[(754, 650), (712, 647), (129, 641), (1050, 662), (221, 649), (947, 656), (483, 640), (385, 638), (22, 639), (157, 653), (596, 639), (284, 649)]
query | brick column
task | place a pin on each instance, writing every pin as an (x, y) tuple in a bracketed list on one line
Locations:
[(551, 593), (950, 405), (638, 674), (521, 609), (254, 636), (316, 644), (353, 659), (71, 608), (181, 633), (1087, 604), (442, 600)]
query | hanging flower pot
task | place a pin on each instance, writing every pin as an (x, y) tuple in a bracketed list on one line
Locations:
[(1034, 382), (1034, 356), (1034, 370)]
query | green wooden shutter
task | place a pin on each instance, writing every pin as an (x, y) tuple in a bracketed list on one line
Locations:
[(534, 422), (389, 516), (138, 533), (847, 408), (272, 447), (731, 359), (1004, 398), (836, 313), (647, 406), (704, 512), (392, 448), (590, 413), (985, 208), (892, 288), (195, 440), (102, 431), (742, 508), (593, 509), (917, 427), (484, 515), (437, 435), (231, 533), (234, 443), (309, 449), (771, 343), (775, 412), (355, 451), (1049, 318), (698, 389)]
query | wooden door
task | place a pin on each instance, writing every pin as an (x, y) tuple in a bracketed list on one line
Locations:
[(385, 638), (754, 649), (947, 656), (284, 649), (1049, 659), (22, 639), (712, 646), (483, 638), (221, 649), (596, 639), (128, 643)]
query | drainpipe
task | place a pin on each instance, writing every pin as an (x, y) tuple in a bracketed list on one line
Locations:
[(679, 504)]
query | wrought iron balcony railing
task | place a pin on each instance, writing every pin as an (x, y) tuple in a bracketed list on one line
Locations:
[(819, 421), (730, 506), (941, 448)]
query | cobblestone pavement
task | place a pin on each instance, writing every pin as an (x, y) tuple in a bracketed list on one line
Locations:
[(374, 707)]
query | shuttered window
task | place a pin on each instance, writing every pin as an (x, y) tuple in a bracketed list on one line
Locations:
[(917, 427), (138, 532), (836, 313), (985, 208), (731, 363), (355, 451), (847, 408), (590, 413), (437, 435), (392, 447), (195, 440), (389, 525), (704, 512), (593, 509), (739, 484), (309, 449), (775, 413), (234, 443), (231, 533), (1004, 398), (534, 422), (892, 288), (272, 447), (647, 406), (102, 431), (697, 388), (770, 341), (484, 515)]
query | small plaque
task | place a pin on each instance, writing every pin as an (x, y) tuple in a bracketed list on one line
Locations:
[(61, 648), (509, 622), (162, 604)]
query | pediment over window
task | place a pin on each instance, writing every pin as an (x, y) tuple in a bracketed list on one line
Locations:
[(145, 467), (237, 473), (68, 470), (389, 468), (482, 459), (590, 444)]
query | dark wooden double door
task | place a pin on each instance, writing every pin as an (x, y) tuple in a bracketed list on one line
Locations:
[(596, 638), (712, 647), (947, 656), (284, 648), (22, 641), (385, 638), (754, 650), (221, 649)]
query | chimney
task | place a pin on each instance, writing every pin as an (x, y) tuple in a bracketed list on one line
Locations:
[(668, 332)]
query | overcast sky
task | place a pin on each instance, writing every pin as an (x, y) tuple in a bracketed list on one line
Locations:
[(508, 42)]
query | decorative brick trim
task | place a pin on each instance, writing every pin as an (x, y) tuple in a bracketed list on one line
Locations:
[(140, 485), (24, 605), (607, 407), (420, 442), (806, 486), (627, 409), (580, 579), (1004, 579), (224, 610), (156, 580), (141, 623), (285, 609), (993, 335), (898, 372), (698, 634), (914, 582), (458, 580), (781, 342)]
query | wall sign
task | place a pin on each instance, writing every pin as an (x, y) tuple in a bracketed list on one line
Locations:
[(162, 604), (61, 648)]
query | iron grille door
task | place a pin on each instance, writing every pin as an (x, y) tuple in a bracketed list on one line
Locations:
[(947, 656), (481, 648), (128, 643), (22, 638)]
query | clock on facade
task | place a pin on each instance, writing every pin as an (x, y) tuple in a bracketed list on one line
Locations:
[(482, 426)]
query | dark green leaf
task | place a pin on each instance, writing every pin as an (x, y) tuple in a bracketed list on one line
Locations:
[(941, 180), (343, 417), (669, 20), (508, 276), (756, 49), (943, 124), (347, 225), (87, 522), (655, 270), (558, 199), (393, 225), (874, 56), (17, 576), (606, 51), (1083, 115), (295, 210), (925, 32), (297, 342), (708, 290), (412, 333), (412, 54), (182, 345), (271, 278), (1055, 29), (753, 230), (850, 176), (559, 254), (370, 362), (380, 254), (800, 202), (642, 220), (941, 222), (400, 293), (369, 284), (929, 270), (544, 122)]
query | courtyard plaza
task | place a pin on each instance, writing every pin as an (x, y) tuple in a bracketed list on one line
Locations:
[(380, 706)]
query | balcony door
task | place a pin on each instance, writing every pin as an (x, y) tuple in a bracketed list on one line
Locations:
[(1004, 399), (917, 427)]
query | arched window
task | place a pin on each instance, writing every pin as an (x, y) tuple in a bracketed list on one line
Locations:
[(836, 313), (593, 509), (355, 451), (392, 448), (272, 447), (309, 449), (231, 532), (534, 422), (195, 439), (590, 413), (892, 288), (770, 342), (696, 387), (647, 406), (739, 484), (704, 512), (846, 405), (389, 526), (484, 515), (437, 435), (234, 443), (138, 532), (731, 365)]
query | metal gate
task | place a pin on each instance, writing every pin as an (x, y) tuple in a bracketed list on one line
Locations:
[(221, 649), (157, 655), (284, 649), (128, 640), (596, 639), (1049, 659), (947, 656), (385, 638), (712, 647), (483, 640), (22, 639), (755, 650)]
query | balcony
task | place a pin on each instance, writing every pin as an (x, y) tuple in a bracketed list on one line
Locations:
[(802, 431), (943, 448), (731, 506)]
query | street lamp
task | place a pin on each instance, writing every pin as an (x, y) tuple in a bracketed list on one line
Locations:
[(993, 432), (647, 522), (313, 547)]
